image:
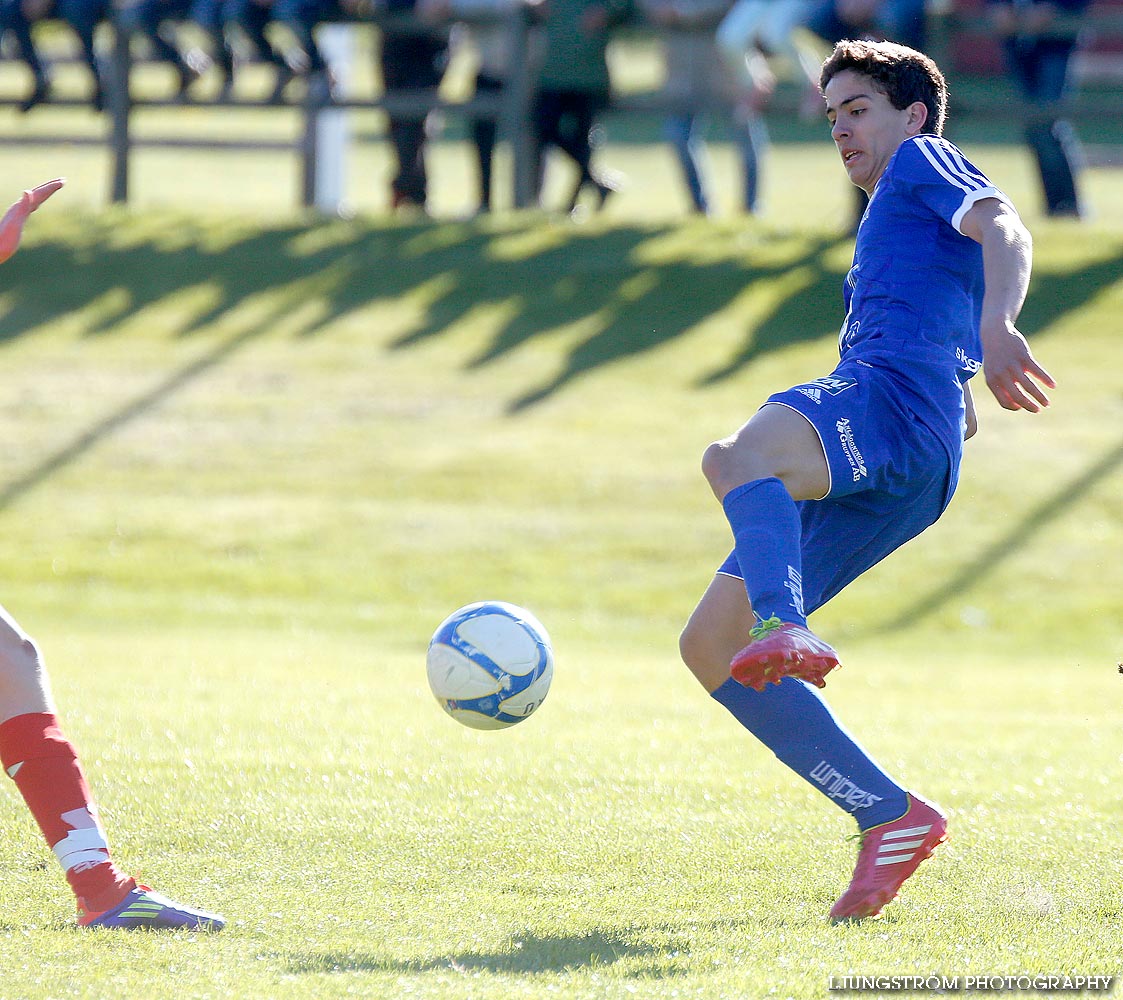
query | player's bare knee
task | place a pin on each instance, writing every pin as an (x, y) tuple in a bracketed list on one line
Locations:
[(688, 646), (699, 655), (19, 656), (730, 462), (717, 466)]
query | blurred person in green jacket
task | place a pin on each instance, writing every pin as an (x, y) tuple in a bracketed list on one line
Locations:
[(574, 85)]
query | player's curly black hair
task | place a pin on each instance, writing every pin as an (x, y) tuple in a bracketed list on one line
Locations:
[(902, 74)]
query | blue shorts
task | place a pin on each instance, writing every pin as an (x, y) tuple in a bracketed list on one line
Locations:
[(891, 477)]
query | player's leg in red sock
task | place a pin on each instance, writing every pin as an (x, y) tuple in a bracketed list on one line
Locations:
[(44, 766)]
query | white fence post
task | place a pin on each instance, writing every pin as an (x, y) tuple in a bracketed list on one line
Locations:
[(333, 125)]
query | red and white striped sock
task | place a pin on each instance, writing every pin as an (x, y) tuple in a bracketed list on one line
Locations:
[(45, 768)]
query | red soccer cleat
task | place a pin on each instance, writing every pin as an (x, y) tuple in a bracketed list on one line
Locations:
[(889, 854), (779, 649)]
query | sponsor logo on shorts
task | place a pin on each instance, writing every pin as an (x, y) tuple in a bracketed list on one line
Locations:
[(842, 788), (850, 449), (830, 384)]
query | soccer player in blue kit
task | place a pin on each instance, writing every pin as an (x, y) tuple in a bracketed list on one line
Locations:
[(829, 477)]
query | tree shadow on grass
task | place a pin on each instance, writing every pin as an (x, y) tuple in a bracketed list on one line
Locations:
[(810, 308), (97, 276), (972, 574), (132, 410), (524, 954), (601, 283), (616, 297), (652, 306)]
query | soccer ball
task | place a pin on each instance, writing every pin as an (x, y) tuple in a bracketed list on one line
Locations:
[(490, 664)]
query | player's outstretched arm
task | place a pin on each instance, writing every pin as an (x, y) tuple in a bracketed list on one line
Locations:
[(11, 226), (1012, 373)]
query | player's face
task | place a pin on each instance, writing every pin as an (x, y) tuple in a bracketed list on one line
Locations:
[(865, 126)]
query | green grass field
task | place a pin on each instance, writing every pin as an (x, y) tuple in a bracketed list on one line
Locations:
[(252, 458)]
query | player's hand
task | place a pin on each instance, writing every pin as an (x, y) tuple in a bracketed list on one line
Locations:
[(11, 226), (1012, 373)]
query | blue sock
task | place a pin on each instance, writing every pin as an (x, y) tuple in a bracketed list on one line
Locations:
[(793, 721), (766, 536)]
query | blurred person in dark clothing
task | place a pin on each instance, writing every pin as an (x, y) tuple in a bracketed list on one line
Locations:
[(574, 85), (413, 57), (82, 16), (1038, 42), (485, 26), (697, 83), (300, 17), (16, 17), (903, 21), (157, 21)]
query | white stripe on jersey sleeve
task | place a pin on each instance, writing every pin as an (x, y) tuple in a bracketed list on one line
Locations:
[(937, 153), (965, 168), (948, 162)]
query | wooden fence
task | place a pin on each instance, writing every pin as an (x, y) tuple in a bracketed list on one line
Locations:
[(511, 107)]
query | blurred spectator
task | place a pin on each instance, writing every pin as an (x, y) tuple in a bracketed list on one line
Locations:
[(696, 84), (903, 21), (156, 20), (484, 25), (16, 17), (252, 18), (772, 29), (83, 17), (414, 56), (574, 85), (300, 17), (751, 34), (1038, 42)]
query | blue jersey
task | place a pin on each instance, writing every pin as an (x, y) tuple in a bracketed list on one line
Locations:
[(914, 293)]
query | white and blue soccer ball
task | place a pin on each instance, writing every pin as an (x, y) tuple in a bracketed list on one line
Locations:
[(490, 664)]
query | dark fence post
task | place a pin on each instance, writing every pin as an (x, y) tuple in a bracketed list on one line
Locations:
[(309, 147), (119, 110), (516, 109)]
